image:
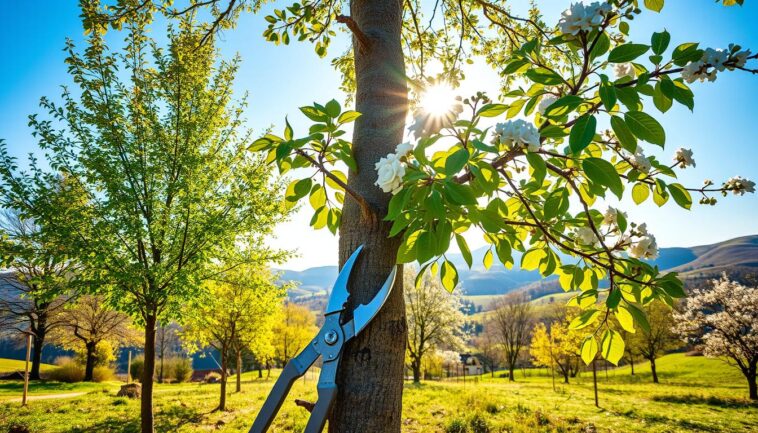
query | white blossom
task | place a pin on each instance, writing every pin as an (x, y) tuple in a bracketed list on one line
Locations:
[(580, 17), (517, 133), (610, 218), (684, 157), (722, 320), (739, 185), (403, 149), (390, 172), (697, 71), (624, 70), (715, 58), (584, 236), (644, 248), (426, 124), (740, 58), (640, 161), (642, 229), (546, 102)]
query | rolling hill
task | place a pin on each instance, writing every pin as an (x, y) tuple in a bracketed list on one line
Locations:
[(703, 261)]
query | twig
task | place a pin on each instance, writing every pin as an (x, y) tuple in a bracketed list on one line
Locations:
[(363, 40)]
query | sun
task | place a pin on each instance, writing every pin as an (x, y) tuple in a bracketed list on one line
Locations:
[(438, 99)]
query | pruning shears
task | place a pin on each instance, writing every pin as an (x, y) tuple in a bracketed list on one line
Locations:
[(327, 344)]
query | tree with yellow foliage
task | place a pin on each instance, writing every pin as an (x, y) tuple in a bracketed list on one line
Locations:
[(294, 329), (557, 347)]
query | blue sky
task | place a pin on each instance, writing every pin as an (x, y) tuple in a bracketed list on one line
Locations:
[(722, 131)]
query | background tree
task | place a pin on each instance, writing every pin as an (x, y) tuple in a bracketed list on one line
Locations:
[(90, 322), (234, 308), (655, 339), (166, 341), (723, 320), (434, 318), (294, 329), (513, 320), (557, 348), (155, 146), (38, 283), (488, 347), (564, 67)]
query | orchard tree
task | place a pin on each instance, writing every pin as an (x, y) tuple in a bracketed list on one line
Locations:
[(656, 336), (533, 183), (488, 347), (295, 328), (513, 320), (90, 322), (235, 310), (158, 180), (557, 347), (723, 320), (434, 318), (39, 281)]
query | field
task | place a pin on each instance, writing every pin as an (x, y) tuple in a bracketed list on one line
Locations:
[(11, 365), (696, 394)]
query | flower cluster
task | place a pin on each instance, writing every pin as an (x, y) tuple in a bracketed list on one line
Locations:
[(611, 217), (640, 161), (546, 102), (739, 185), (713, 61), (517, 134), (645, 247), (624, 70), (580, 17), (684, 157), (585, 236), (390, 169)]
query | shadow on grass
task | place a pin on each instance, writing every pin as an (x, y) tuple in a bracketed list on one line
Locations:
[(726, 403), (167, 420), (669, 422)]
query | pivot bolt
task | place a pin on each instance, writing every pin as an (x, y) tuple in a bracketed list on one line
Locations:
[(331, 338)]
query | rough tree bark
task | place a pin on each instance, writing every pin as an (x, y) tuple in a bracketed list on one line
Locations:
[(371, 376), (224, 376), (751, 380), (38, 342), (416, 367), (89, 366), (146, 403), (652, 369)]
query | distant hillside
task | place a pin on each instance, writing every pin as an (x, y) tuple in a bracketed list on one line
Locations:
[(698, 262)]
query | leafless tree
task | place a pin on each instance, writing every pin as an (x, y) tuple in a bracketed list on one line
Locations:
[(513, 320)]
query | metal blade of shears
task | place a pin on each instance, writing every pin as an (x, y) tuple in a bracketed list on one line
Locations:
[(339, 295), (295, 368), (363, 314)]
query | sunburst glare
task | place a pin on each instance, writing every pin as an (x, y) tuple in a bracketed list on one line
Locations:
[(438, 99)]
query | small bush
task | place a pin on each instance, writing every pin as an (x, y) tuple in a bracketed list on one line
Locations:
[(457, 425), (479, 424), (492, 408), (103, 374), (177, 369), (67, 371), (138, 364)]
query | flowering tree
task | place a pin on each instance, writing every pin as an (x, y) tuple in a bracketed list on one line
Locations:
[(434, 318), (519, 182), (724, 321)]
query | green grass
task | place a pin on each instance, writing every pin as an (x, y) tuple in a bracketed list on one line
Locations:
[(696, 395), (11, 365)]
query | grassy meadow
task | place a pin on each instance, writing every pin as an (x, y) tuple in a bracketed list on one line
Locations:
[(696, 395)]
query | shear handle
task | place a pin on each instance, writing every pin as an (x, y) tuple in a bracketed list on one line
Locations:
[(294, 369), (327, 390)]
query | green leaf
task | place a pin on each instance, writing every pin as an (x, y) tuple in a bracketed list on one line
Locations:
[(627, 140), (449, 276), (589, 349), (459, 194), (314, 114), (625, 319), (645, 127), (556, 203), (660, 41), (487, 259), (563, 106), (612, 346), (660, 99), (455, 162), (639, 317), (544, 76), (426, 245), (627, 52), (582, 133), (608, 95), (539, 167), (585, 319), (492, 110), (685, 53), (683, 94), (602, 172), (681, 196), (640, 193), (465, 251), (348, 116), (654, 5), (532, 258), (333, 108), (298, 189)]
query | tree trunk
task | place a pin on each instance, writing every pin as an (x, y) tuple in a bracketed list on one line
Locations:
[(89, 366), (631, 363), (148, 370), (594, 380), (751, 381), (652, 369), (222, 397), (239, 371), (371, 376), (511, 372), (39, 342), (416, 367)]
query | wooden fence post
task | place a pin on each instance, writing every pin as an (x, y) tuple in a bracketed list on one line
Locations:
[(26, 369)]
